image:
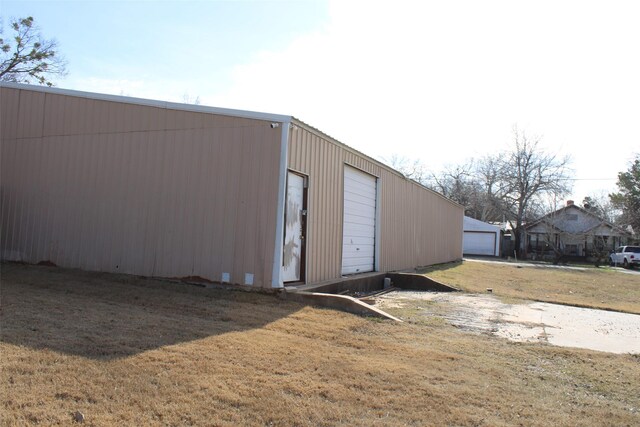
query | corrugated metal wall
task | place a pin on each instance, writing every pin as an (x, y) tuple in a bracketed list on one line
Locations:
[(118, 187), (417, 227)]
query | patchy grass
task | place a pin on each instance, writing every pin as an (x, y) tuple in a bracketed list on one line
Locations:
[(130, 351), (590, 287)]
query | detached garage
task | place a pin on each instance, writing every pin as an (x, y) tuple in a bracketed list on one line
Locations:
[(120, 184), (480, 238)]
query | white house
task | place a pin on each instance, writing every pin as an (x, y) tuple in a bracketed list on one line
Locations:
[(480, 238)]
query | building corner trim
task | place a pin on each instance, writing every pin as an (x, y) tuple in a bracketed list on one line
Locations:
[(276, 275)]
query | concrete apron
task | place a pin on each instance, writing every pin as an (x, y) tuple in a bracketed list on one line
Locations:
[(527, 321), (327, 294)]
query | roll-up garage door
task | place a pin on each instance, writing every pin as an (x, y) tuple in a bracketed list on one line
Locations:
[(478, 243), (359, 226)]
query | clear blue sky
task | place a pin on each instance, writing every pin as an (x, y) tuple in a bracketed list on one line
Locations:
[(186, 41), (438, 80)]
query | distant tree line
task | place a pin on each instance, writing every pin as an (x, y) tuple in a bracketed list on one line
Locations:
[(521, 184)]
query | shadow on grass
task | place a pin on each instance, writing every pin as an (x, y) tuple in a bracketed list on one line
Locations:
[(110, 316)]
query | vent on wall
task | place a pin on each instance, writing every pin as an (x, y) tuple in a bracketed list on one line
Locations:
[(248, 279)]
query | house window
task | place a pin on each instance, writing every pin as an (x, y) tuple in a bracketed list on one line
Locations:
[(571, 250), (537, 243), (572, 217), (600, 242)]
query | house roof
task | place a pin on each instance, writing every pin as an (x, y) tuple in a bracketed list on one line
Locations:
[(601, 222), (472, 224)]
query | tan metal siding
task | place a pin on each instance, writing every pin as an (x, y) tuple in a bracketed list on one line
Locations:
[(107, 186), (417, 226)]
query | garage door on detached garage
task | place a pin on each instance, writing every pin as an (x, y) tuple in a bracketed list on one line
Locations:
[(479, 243), (359, 222), (480, 238)]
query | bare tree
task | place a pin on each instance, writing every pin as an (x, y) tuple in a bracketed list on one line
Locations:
[(456, 182), (27, 57), (411, 168), (514, 186), (530, 174), (492, 189), (188, 99)]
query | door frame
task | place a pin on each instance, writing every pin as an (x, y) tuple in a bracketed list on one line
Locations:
[(303, 225)]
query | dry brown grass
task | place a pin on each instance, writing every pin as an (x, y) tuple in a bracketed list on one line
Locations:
[(130, 351), (602, 288)]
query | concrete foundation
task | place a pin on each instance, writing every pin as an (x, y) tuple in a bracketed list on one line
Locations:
[(418, 282), (371, 282)]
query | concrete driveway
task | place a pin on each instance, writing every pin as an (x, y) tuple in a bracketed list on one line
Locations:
[(544, 265), (627, 271), (527, 322)]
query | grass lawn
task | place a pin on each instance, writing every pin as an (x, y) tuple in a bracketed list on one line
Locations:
[(603, 288), (129, 351)]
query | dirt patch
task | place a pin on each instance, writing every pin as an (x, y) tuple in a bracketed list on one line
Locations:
[(527, 321)]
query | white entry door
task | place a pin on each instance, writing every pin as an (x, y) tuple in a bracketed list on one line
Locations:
[(292, 257), (359, 222)]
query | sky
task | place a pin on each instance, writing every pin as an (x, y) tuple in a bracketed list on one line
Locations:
[(438, 81)]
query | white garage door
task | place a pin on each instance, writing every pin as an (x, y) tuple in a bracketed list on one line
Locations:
[(359, 226), (478, 243)]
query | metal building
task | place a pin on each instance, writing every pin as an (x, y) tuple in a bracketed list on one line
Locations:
[(120, 184)]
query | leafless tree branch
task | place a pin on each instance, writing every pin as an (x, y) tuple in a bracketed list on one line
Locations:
[(27, 57)]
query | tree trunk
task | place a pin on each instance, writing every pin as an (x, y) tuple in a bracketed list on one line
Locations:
[(518, 242)]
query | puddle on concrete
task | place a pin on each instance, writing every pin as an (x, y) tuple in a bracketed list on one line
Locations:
[(528, 322)]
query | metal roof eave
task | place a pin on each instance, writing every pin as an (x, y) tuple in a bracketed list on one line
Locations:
[(152, 103), (214, 110), (318, 132)]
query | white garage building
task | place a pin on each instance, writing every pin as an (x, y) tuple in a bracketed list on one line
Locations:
[(480, 238)]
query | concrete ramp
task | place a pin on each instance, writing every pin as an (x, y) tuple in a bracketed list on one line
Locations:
[(351, 293), (337, 302)]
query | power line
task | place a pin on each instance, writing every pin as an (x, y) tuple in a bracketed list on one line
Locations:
[(559, 179), (589, 179)]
